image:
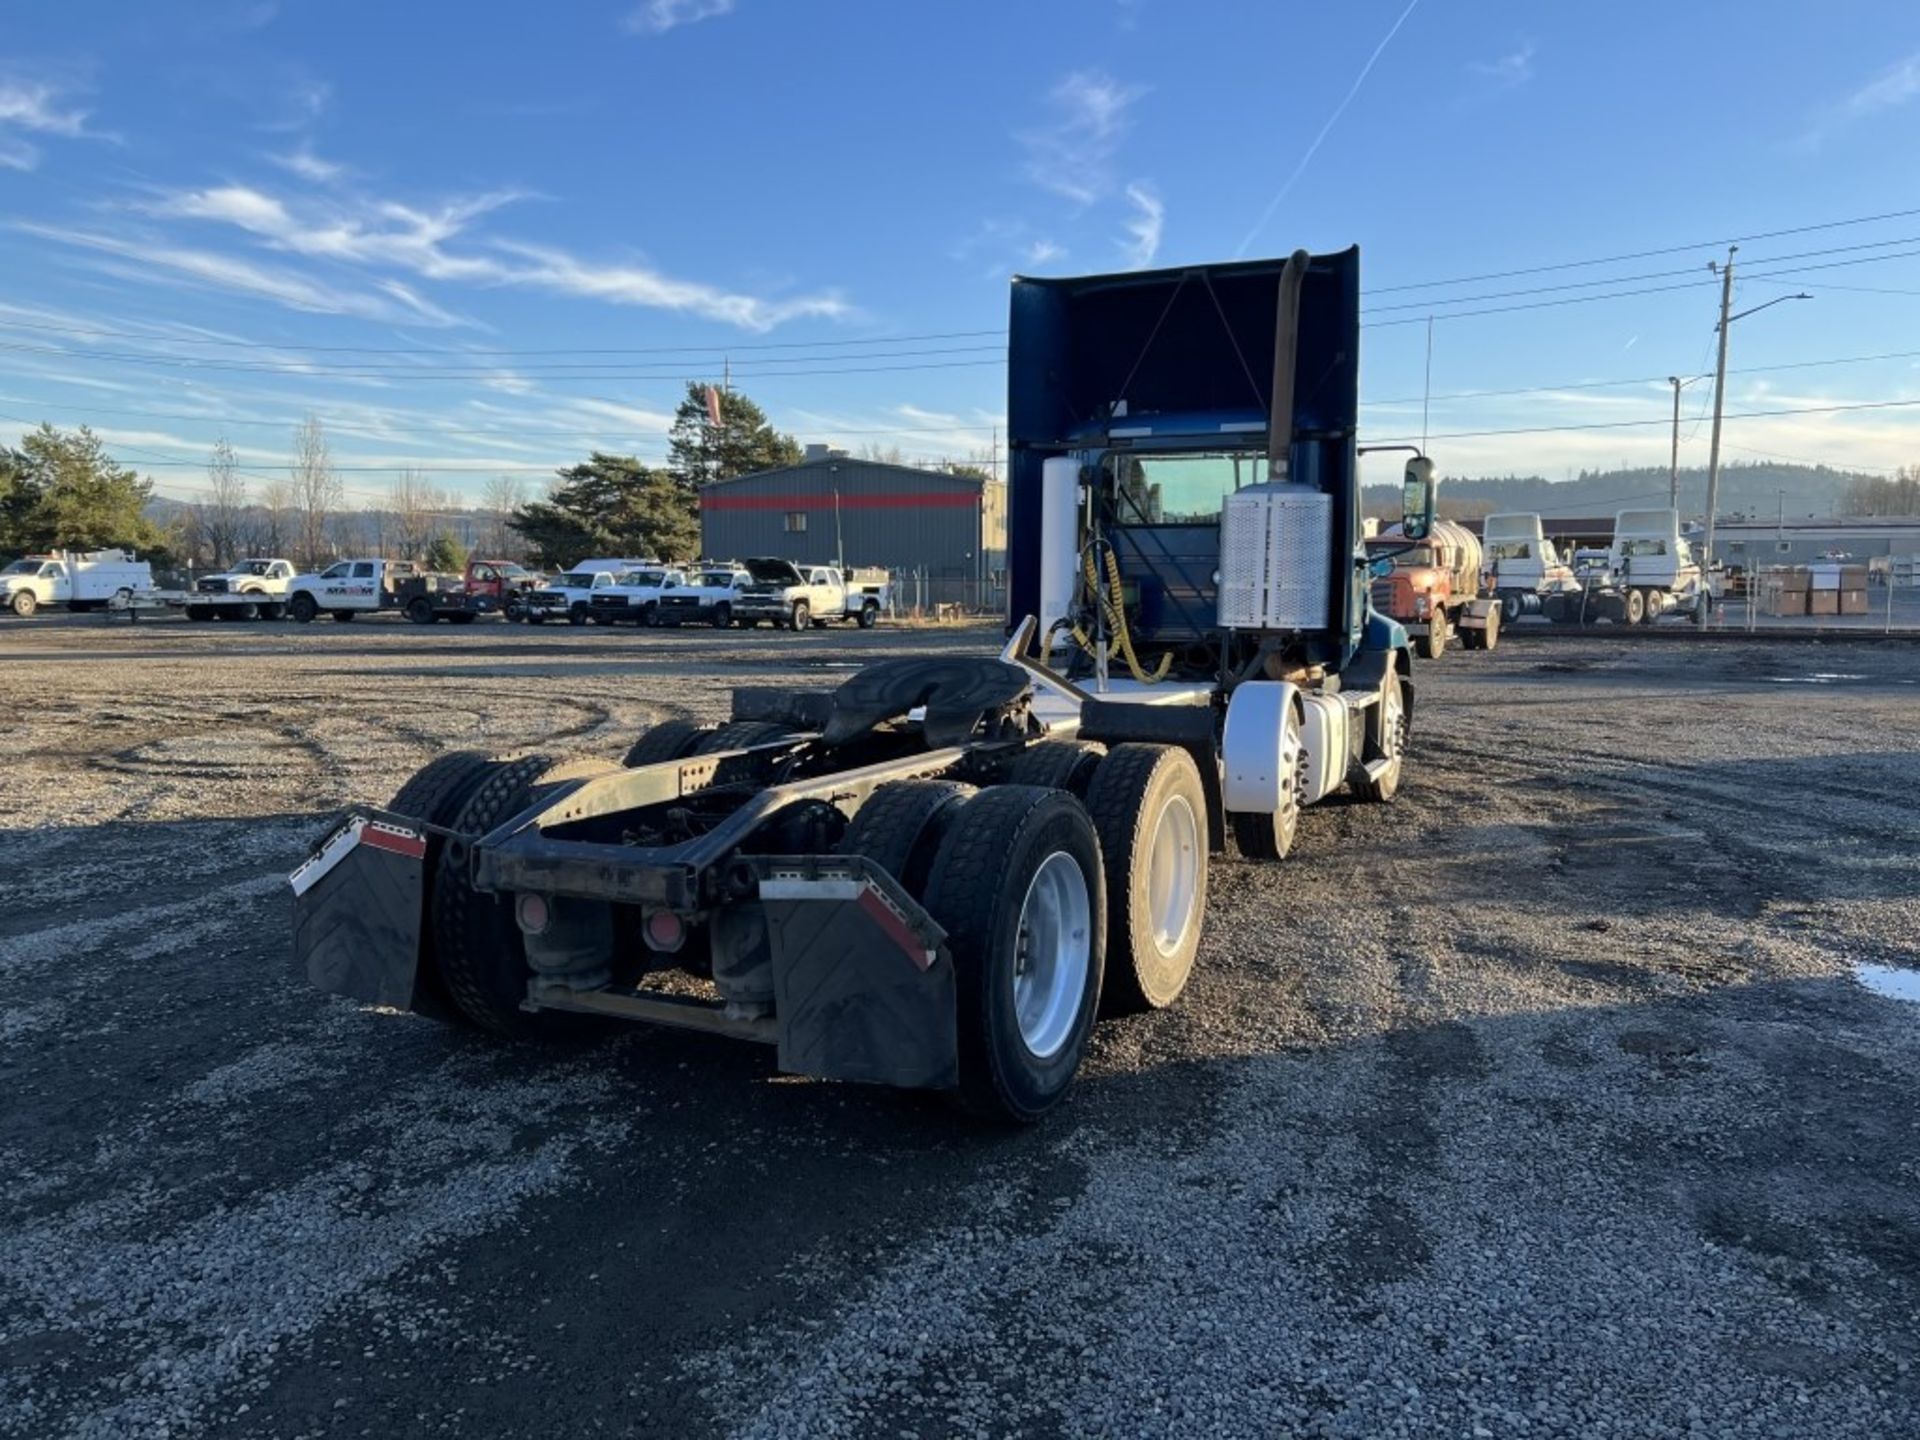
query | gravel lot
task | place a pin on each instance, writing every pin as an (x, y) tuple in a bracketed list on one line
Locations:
[(1543, 1102)]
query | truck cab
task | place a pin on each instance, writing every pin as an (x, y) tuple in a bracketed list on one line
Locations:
[(1523, 566), (798, 596), (249, 577), (1432, 587), (566, 596), (634, 597), (348, 588), (710, 594)]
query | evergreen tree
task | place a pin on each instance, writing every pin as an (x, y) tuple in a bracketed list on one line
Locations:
[(699, 452), (61, 490), (611, 505)]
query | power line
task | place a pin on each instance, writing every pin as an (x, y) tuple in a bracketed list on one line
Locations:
[(1646, 254), (1661, 420)]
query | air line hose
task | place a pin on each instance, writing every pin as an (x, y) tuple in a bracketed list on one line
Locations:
[(1112, 602)]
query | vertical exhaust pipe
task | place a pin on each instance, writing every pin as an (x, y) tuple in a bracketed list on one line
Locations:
[(1286, 359)]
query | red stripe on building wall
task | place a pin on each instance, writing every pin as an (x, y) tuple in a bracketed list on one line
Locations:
[(932, 500)]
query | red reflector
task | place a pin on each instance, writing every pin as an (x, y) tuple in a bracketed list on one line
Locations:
[(533, 914), (665, 930)]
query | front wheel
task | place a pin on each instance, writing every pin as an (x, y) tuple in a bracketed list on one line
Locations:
[(802, 616), (1490, 636), (1434, 643), (1377, 777), (722, 615), (577, 613), (303, 607), (1017, 885), (25, 602), (649, 615), (1635, 607)]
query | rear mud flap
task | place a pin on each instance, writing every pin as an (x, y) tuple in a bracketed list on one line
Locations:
[(862, 990), (357, 906)]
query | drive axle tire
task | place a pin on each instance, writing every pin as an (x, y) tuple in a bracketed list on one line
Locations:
[(420, 610), (435, 796), (901, 826), (303, 608), (669, 740), (869, 616), (1635, 607), (1490, 637), (1018, 887), (1057, 765), (199, 612), (481, 955), (273, 610), (343, 617), (1150, 812)]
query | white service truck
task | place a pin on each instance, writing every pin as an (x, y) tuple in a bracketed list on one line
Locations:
[(634, 597), (710, 594), (565, 597), (79, 580), (782, 593)]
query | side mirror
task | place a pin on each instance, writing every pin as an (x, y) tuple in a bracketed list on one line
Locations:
[(1416, 499)]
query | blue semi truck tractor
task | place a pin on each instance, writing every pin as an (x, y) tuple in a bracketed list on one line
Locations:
[(941, 872)]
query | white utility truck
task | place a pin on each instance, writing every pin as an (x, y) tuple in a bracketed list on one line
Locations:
[(565, 597), (710, 594), (783, 593), (79, 580), (634, 597)]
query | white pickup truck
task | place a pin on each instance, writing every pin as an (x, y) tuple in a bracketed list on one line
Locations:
[(634, 597), (247, 590), (567, 597), (709, 595), (782, 593), (78, 580)]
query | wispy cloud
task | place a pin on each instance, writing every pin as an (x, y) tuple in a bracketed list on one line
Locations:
[(297, 104), (1044, 251), (1889, 90), (37, 107), (1327, 129), (1508, 70), (309, 166), (439, 243), (656, 17), (1073, 156), (156, 260), (1144, 226)]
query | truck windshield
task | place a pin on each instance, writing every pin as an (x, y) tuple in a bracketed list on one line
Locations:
[(581, 581), (643, 577), (253, 567), (1181, 489), (22, 567), (723, 579)]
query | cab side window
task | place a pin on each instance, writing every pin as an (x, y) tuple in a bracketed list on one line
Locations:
[(363, 570), (335, 572)]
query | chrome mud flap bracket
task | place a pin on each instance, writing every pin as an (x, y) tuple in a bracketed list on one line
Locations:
[(863, 990), (357, 906)]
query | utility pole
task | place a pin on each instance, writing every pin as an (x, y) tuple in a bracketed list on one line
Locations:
[(1713, 448), (1673, 483)]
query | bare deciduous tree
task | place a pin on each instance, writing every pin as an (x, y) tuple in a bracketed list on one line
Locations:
[(413, 505), (274, 533), (499, 498), (317, 492), (224, 516)]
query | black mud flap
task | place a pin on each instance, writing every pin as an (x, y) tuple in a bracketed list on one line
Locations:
[(862, 989), (357, 907)]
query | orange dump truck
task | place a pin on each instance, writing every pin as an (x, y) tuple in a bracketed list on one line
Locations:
[(1434, 589)]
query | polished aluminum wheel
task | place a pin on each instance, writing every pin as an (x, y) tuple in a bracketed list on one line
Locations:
[(1055, 939), (1173, 874)]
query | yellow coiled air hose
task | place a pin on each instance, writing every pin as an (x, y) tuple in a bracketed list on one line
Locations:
[(1112, 601)]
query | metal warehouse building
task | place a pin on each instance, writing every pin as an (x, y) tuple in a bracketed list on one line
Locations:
[(943, 536)]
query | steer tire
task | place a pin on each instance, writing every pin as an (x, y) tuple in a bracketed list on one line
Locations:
[(901, 826), (722, 616), (1150, 811), (303, 607), (981, 878), (480, 953), (669, 740), (738, 735), (1386, 738), (1057, 765), (800, 616), (25, 602)]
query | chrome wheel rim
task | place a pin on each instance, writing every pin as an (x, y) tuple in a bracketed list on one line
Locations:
[(1173, 874), (1054, 954)]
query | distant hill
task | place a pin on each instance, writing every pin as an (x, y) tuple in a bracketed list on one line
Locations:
[(1752, 487)]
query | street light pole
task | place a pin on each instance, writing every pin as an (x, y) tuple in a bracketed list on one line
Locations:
[(1719, 407)]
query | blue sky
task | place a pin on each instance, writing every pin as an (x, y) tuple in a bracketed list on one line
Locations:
[(482, 238)]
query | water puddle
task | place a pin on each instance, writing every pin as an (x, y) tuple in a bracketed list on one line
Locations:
[(1894, 981)]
